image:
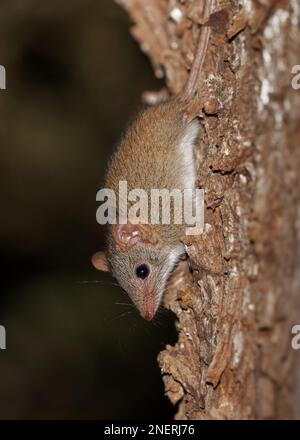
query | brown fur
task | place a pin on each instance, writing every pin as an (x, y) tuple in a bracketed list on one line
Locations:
[(155, 153)]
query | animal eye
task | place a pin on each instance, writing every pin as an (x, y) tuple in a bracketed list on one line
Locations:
[(142, 271)]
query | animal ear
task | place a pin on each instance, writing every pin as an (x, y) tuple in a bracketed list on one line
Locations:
[(128, 235), (99, 261)]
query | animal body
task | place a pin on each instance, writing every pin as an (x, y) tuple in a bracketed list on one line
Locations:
[(157, 151)]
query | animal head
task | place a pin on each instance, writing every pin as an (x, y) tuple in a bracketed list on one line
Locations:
[(141, 262)]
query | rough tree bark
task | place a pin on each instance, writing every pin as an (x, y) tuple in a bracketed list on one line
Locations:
[(235, 308)]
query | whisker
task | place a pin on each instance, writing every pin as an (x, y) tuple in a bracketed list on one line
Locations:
[(89, 282), (124, 304), (97, 282), (119, 315)]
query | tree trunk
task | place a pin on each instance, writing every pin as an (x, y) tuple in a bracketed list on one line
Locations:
[(237, 304)]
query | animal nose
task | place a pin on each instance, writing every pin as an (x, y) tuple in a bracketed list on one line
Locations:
[(149, 307)]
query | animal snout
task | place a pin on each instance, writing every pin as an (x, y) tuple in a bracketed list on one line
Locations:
[(149, 306)]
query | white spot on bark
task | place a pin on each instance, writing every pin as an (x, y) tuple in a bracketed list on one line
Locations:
[(207, 227), (238, 346), (233, 272), (226, 151), (247, 4), (176, 15), (274, 46), (266, 89), (273, 30), (247, 144), (295, 14), (243, 179)]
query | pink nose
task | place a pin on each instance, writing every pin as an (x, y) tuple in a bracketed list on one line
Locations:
[(149, 309)]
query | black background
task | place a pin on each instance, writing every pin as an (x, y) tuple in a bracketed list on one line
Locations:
[(74, 77)]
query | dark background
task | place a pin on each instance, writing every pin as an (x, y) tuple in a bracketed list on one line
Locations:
[(74, 77)]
